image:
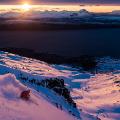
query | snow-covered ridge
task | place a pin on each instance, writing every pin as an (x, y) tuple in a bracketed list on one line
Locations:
[(12, 107), (96, 95), (25, 68)]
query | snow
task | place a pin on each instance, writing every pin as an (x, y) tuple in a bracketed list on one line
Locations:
[(12, 107), (100, 97), (34, 69), (97, 95)]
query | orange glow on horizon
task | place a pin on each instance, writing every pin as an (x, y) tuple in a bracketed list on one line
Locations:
[(91, 8), (26, 7)]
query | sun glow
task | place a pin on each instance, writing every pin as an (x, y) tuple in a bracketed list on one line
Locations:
[(26, 7)]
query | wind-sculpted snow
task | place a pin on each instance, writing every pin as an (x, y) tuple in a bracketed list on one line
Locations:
[(10, 88), (101, 96), (14, 108), (26, 69), (97, 96)]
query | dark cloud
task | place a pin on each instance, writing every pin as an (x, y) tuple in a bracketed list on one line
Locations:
[(63, 1)]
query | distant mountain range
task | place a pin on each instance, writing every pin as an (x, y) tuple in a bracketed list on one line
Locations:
[(78, 19)]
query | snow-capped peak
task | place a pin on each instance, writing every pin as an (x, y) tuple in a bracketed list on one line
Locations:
[(83, 11)]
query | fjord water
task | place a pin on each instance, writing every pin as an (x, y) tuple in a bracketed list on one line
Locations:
[(65, 42)]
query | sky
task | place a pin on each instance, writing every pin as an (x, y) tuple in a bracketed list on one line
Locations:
[(113, 2)]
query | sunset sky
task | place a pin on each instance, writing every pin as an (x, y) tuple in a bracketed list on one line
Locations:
[(114, 2), (72, 5)]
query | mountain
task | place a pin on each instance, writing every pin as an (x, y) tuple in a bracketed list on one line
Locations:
[(26, 70), (115, 12), (37, 108), (43, 14), (57, 20), (92, 96), (84, 12)]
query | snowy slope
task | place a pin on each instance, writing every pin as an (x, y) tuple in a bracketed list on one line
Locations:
[(97, 95), (14, 108), (100, 97), (23, 67)]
